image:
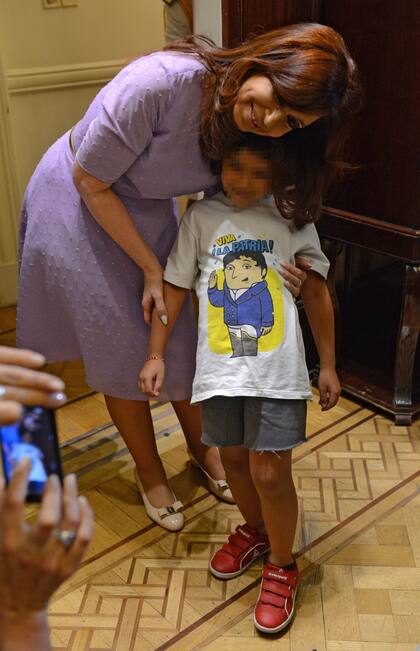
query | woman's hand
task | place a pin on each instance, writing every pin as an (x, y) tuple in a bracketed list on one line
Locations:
[(295, 275), (151, 377), (21, 384), (153, 296), (329, 388), (33, 559)]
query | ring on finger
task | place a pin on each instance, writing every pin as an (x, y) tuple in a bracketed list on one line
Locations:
[(65, 536), (3, 391)]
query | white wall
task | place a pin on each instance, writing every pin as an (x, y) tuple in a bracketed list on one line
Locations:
[(95, 30), (9, 201), (208, 19), (55, 61)]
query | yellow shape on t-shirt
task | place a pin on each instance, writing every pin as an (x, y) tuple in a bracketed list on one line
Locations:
[(218, 334)]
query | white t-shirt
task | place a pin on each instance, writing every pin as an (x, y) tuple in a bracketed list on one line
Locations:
[(249, 337)]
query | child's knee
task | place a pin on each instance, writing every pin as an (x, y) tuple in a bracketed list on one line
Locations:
[(271, 472)]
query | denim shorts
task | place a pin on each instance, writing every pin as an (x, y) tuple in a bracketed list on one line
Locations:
[(254, 423)]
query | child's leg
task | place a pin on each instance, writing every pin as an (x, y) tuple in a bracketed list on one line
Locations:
[(271, 473), (235, 460), (223, 423), (249, 541)]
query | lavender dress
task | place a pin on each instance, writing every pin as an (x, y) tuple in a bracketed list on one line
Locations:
[(80, 294)]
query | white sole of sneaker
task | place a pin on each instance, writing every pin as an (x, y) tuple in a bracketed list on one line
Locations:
[(264, 629), (221, 575)]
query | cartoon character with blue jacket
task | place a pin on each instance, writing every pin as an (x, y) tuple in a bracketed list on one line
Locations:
[(245, 298)]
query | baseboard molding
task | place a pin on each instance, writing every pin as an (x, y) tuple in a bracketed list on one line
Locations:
[(8, 284), (34, 80)]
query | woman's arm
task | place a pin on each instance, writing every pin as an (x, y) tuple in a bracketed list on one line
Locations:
[(319, 309), (153, 371), (110, 213)]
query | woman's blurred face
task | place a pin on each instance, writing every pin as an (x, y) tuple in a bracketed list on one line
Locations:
[(246, 177), (256, 110)]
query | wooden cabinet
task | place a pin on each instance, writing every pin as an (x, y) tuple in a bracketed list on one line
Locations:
[(372, 218)]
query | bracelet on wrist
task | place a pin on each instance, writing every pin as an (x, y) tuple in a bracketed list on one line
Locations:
[(154, 356)]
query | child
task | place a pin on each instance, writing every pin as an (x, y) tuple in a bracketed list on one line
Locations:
[(251, 376)]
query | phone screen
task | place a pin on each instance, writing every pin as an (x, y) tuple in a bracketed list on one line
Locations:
[(34, 436)]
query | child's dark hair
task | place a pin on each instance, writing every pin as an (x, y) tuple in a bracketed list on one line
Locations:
[(256, 144)]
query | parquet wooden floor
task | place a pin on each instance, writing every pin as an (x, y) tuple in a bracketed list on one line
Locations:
[(358, 547), (358, 543)]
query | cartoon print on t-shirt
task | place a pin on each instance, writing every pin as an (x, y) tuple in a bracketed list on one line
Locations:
[(246, 283), (246, 300)]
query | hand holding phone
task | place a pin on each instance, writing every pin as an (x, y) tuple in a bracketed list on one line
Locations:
[(34, 436), (37, 562)]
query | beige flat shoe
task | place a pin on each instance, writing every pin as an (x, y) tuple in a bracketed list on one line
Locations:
[(218, 487), (168, 517)]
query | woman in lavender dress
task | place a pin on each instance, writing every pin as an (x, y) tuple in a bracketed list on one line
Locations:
[(99, 218)]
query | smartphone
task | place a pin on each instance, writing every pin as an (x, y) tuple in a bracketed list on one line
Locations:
[(34, 436)]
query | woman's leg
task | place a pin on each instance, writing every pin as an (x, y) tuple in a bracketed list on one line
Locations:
[(134, 422), (236, 464), (189, 417), (271, 473)]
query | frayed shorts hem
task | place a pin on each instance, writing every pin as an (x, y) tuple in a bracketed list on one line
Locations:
[(215, 444)]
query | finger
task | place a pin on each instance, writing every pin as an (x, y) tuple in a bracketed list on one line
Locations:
[(84, 533), (2, 485), (158, 384), (22, 377), (21, 357), (10, 412), (292, 274), (14, 505), (144, 382), (293, 289), (148, 384), (302, 263), (323, 396), (50, 512), (70, 510), (147, 310), (333, 399), (161, 309), (34, 396)]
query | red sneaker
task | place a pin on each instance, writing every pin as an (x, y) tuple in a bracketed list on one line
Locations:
[(242, 548), (276, 603)]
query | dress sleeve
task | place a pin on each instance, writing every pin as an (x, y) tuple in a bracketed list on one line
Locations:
[(308, 246), (182, 264), (129, 115)]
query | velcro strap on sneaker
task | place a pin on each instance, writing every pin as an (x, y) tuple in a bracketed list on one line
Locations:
[(276, 588), (280, 577), (239, 541), (232, 550), (245, 534)]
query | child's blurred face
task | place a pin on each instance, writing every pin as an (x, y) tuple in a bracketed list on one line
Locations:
[(246, 177)]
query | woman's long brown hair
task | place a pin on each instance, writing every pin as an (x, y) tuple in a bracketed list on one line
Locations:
[(311, 71)]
